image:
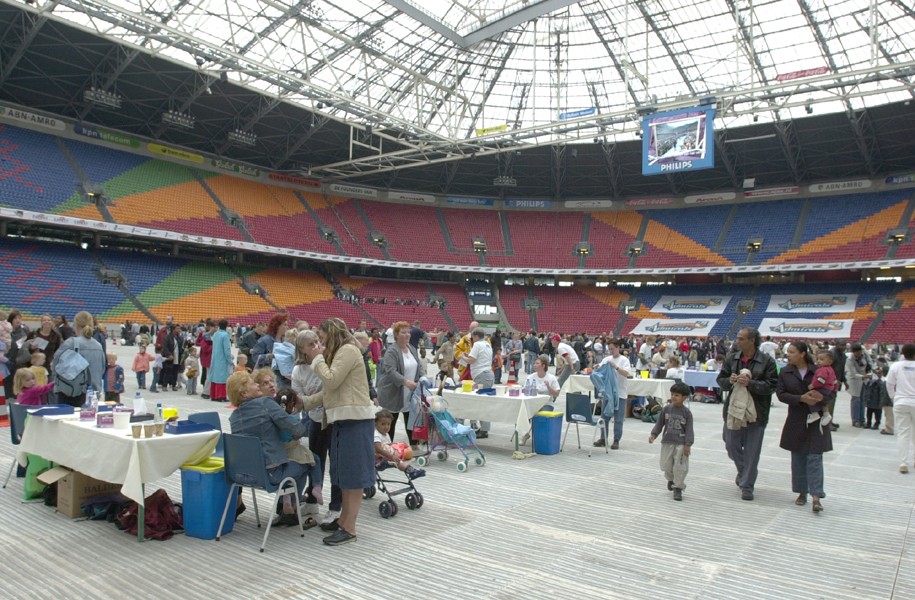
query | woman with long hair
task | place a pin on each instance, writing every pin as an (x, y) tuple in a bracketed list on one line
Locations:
[(337, 360), (807, 442)]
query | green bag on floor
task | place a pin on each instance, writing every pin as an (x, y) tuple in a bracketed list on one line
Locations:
[(37, 466)]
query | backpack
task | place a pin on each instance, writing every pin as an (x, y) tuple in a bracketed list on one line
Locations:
[(163, 517), (71, 377), (651, 411)]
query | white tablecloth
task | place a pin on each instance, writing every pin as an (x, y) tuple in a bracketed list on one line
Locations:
[(112, 454), (657, 388), (703, 379), (500, 409)]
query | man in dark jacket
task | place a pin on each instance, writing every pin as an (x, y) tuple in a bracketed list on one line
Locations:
[(247, 342), (838, 365), (745, 444)]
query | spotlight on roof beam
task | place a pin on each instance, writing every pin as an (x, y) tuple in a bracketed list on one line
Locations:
[(244, 138), (809, 108), (178, 119), (102, 97)]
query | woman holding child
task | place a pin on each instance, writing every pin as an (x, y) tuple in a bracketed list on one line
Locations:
[(806, 441)]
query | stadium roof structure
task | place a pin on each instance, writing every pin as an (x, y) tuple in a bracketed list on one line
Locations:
[(417, 95)]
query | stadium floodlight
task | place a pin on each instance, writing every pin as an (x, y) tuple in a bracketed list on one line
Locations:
[(504, 181), (179, 119), (102, 97), (245, 138)]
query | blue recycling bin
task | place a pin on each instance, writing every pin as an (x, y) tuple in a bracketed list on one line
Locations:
[(547, 430), (204, 490)]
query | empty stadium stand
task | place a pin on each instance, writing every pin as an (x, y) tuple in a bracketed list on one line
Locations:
[(163, 195)]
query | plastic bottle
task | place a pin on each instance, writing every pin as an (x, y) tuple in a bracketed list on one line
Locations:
[(139, 405), (87, 410), (159, 418)]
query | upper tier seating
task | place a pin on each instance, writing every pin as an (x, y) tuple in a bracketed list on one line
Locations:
[(34, 173), (173, 197)]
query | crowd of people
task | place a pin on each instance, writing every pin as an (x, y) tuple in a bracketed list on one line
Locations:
[(289, 381)]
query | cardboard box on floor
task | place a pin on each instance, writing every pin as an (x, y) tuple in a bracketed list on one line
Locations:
[(74, 488)]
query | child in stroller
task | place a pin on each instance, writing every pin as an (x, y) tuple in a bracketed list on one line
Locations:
[(397, 454), (386, 455)]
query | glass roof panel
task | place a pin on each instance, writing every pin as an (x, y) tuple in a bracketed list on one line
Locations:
[(358, 57)]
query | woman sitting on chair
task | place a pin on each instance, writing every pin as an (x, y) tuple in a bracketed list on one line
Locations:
[(541, 382), (261, 417)]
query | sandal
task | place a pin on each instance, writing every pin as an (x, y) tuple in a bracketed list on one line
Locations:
[(817, 507), (308, 523), (801, 500)]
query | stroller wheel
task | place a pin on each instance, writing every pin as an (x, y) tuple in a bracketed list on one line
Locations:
[(384, 509), (410, 501), (422, 461), (462, 466), (419, 499), (441, 455), (368, 492), (393, 507), (479, 461)]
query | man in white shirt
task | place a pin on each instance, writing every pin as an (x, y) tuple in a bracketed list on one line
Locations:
[(900, 385), (480, 360), (769, 347), (566, 359), (621, 367)]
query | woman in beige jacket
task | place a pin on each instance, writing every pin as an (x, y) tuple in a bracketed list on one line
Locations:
[(338, 362)]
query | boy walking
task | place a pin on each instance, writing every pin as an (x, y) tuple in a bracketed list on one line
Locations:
[(677, 423)]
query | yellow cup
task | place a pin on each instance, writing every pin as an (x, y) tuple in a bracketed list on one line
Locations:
[(644, 374), (467, 386)]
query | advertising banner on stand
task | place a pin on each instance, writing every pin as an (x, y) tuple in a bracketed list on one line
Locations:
[(807, 328), (692, 305), (807, 303), (675, 327)]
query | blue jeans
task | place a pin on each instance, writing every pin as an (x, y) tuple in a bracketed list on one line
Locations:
[(744, 446), (618, 417), (857, 409), (529, 358), (141, 379), (297, 471), (807, 474), (155, 380)]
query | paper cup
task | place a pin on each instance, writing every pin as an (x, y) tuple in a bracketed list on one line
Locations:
[(122, 420), (149, 430), (136, 430), (160, 429)]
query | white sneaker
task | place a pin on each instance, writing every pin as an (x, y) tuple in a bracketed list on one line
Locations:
[(813, 418), (329, 516), (826, 420), (309, 509)]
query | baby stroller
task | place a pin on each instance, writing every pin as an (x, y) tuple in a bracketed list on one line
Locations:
[(404, 485), (448, 433)]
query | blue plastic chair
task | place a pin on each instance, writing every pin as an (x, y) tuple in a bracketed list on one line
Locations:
[(580, 412), (211, 419), (17, 414), (245, 467)]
